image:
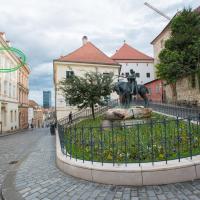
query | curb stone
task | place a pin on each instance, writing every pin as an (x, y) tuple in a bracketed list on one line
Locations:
[(14, 132)]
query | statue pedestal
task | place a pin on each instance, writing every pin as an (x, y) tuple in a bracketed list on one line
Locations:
[(130, 113)]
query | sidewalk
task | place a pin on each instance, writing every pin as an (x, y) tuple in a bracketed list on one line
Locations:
[(37, 177)]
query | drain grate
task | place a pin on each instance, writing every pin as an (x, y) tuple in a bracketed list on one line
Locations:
[(13, 162)]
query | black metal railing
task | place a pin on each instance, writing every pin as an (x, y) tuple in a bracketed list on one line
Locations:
[(85, 113), (171, 109), (1, 124), (150, 141)]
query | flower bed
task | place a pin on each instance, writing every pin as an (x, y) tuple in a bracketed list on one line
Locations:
[(161, 138)]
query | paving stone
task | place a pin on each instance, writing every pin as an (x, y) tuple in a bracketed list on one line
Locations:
[(161, 197), (126, 196), (134, 198), (25, 190), (134, 193), (193, 197), (152, 198), (39, 178), (151, 193), (169, 195)]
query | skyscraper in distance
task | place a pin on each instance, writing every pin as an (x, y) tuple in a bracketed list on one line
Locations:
[(46, 99)]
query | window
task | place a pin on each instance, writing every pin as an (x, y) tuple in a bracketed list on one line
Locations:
[(148, 75), (15, 115), (149, 90), (147, 64), (137, 64), (9, 89), (69, 74), (13, 91), (137, 75), (126, 64), (1, 61), (11, 116), (106, 73), (5, 87)]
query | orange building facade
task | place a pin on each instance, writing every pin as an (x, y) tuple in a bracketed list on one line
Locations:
[(23, 92)]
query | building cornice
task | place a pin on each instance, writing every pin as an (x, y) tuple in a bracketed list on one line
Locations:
[(135, 61), (86, 63), (16, 59)]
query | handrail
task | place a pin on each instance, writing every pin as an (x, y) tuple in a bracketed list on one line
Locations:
[(87, 112)]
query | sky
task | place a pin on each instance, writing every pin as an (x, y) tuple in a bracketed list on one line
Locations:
[(46, 29)]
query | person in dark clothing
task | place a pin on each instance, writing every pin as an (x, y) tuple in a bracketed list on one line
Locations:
[(32, 126), (70, 117)]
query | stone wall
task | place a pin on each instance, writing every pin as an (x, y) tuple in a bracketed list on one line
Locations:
[(184, 91)]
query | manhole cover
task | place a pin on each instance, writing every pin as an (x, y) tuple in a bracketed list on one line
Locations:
[(13, 162)]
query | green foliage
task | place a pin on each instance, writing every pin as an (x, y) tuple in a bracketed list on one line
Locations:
[(88, 90), (130, 144), (179, 58)]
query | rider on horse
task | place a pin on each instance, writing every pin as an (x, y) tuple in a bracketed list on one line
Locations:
[(127, 89), (132, 82)]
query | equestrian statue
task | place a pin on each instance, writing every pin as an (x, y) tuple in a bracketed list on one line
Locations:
[(127, 89)]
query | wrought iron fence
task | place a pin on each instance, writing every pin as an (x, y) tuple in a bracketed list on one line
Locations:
[(84, 113), (152, 141), (1, 124), (171, 109)]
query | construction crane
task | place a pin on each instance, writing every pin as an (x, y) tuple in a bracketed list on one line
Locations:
[(156, 10)]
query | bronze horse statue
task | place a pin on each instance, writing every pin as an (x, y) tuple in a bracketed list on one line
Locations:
[(125, 90)]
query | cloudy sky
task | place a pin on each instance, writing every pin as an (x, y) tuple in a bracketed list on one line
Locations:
[(45, 29)]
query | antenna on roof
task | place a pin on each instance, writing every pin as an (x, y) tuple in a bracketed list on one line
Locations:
[(156, 10)]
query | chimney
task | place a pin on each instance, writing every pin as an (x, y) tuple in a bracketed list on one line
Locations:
[(84, 40), (8, 43), (3, 35)]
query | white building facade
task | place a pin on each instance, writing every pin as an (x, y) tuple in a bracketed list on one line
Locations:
[(8, 89), (87, 58), (130, 58)]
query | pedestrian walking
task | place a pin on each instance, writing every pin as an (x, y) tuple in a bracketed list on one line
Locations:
[(32, 126), (70, 117)]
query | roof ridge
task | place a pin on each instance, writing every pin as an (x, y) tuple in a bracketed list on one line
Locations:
[(74, 51), (138, 50), (127, 52), (102, 52), (88, 53)]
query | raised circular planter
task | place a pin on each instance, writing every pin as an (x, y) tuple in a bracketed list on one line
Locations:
[(132, 174)]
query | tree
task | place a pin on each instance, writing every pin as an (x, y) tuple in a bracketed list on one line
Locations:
[(179, 58), (88, 90)]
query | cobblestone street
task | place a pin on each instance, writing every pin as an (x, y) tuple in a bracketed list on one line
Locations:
[(16, 147), (38, 177)]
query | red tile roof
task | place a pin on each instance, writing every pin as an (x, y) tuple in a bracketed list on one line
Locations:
[(88, 53), (127, 52), (32, 104)]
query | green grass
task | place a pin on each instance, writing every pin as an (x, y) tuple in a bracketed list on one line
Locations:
[(147, 142)]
